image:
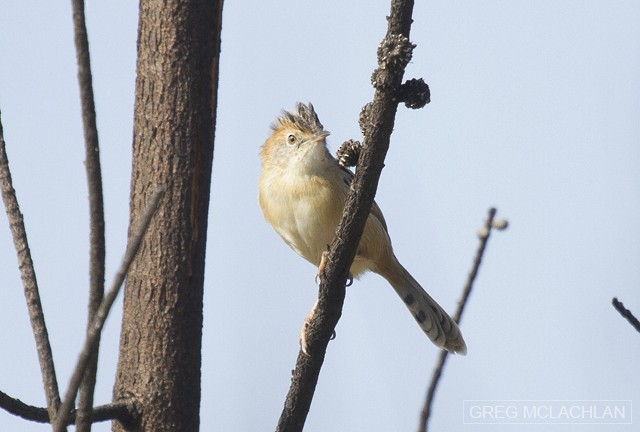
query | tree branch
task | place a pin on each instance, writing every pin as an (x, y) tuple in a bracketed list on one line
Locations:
[(122, 410), (377, 123), (94, 330), (29, 281), (484, 234), (96, 206), (626, 313)]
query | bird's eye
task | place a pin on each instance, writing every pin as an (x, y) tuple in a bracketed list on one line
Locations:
[(291, 139)]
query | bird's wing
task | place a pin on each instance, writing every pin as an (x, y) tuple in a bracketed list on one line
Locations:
[(375, 209)]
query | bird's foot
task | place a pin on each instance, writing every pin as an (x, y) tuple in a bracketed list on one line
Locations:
[(304, 345), (323, 264)]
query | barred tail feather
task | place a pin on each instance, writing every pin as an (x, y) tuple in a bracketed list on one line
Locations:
[(434, 321)]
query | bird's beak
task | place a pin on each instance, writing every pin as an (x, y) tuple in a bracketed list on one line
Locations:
[(319, 136)]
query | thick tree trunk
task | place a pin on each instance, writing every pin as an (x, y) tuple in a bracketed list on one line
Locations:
[(160, 359)]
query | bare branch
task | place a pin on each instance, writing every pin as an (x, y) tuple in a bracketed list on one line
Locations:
[(123, 410), (377, 127), (94, 330), (626, 313), (96, 207), (484, 234), (28, 275)]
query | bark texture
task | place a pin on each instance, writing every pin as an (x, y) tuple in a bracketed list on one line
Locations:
[(160, 358)]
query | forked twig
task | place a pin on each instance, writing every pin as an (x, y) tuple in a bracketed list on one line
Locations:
[(484, 234), (94, 330), (29, 281), (123, 410)]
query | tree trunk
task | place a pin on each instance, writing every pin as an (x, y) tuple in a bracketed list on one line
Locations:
[(176, 86)]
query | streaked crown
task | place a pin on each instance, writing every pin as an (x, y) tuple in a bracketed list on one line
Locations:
[(304, 119)]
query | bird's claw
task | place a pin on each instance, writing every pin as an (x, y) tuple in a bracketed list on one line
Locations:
[(304, 346), (323, 263)]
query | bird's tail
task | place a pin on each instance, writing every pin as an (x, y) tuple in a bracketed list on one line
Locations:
[(434, 321)]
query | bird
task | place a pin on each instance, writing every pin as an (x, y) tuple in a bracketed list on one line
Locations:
[(302, 193)]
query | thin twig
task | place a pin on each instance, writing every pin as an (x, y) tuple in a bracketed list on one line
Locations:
[(96, 206), (626, 313), (28, 275), (378, 124), (123, 410), (437, 373), (94, 330)]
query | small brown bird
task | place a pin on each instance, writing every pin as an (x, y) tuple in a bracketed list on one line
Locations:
[(303, 191)]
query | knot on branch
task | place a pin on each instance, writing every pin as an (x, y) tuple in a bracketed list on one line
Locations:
[(394, 53), (364, 119), (414, 93), (348, 153)]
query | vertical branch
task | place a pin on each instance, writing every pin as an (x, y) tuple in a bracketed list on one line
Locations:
[(377, 123), (400, 18), (160, 356), (28, 275), (484, 234), (96, 206)]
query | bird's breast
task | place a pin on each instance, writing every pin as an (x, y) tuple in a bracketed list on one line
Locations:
[(304, 209)]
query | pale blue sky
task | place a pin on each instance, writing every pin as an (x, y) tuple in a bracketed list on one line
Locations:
[(534, 110)]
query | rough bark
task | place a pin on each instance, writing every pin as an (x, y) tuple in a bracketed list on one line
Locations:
[(160, 359)]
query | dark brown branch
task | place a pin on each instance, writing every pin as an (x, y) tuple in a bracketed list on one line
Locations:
[(96, 207), (378, 125), (124, 410), (94, 330), (626, 313), (28, 275), (437, 373)]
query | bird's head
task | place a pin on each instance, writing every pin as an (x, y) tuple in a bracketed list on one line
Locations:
[(297, 137)]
